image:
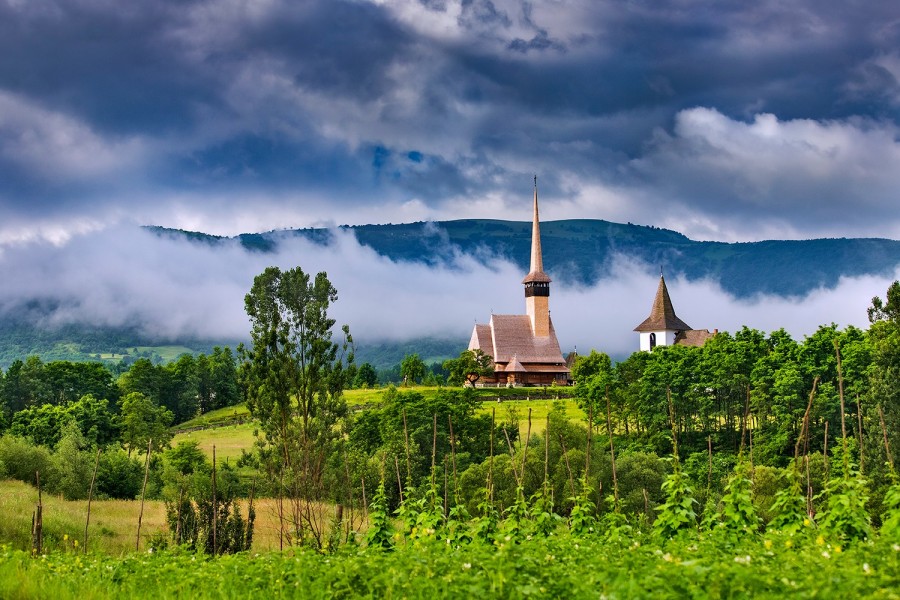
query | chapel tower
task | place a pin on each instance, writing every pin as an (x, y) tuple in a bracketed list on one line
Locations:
[(664, 328), (537, 283)]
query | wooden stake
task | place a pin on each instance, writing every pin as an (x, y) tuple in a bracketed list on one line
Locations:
[(399, 483), (612, 450), (744, 422), (587, 455), (362, 480), (525, 448), (281, 508), (887, 447), (672, 417), (837, 352), (453, 457), (547, 454), (87, 521), (859, 419), (512, 458), (446, 506), (804, 427), (249, 511), (491, 463), (406, 443), (562, 443), (37, 520), (352, 524), (137, 541), (215, 515), (433, 447)]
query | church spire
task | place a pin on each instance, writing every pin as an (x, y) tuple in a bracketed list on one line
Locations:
[(537, 261), (536, 273), (662, 313), (537, 283)]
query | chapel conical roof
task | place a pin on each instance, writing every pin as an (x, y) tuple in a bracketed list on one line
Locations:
[(662, 315)]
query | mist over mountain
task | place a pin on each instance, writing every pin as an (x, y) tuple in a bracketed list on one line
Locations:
[(583, 252), (421, 286)]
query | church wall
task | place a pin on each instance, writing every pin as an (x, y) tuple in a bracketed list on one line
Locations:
[(663, 338)]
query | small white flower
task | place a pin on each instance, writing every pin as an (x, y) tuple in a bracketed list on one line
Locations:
[(825, 554), (467, 565)]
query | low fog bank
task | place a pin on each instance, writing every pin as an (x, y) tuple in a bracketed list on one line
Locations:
[(171, 288)]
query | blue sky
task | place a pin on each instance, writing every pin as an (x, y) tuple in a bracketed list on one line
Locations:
[(725, 120)]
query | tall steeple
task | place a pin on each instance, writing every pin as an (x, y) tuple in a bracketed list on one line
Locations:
[(537, 283)]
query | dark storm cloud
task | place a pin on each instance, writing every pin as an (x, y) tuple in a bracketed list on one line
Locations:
[(234, 115)]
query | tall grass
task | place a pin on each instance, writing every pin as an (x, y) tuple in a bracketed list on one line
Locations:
[(113, 522)]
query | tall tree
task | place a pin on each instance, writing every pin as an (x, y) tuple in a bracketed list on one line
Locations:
[(294, 375), (142, 420), (469, 367), (68, 381), (366, 377), (223, 378), (412, 369)]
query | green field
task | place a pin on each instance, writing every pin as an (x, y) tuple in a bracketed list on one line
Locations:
[(167, 353), (221, 416), (230, 439)]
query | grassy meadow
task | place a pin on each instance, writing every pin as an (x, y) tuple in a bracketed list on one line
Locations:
[(230, 439), (113, 525)]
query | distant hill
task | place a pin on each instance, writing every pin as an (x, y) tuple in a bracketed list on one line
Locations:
[(582, 251), (579, 251)]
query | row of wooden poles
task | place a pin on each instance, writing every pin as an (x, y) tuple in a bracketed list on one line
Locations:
[(37, 518)]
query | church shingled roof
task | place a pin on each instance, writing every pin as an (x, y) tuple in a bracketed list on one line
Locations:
[(515, 366), (694, 337), (662, 315)]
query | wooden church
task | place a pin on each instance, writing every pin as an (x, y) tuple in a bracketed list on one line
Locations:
[(524, 348)]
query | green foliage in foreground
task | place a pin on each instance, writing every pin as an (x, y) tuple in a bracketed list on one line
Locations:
[(561, 566)]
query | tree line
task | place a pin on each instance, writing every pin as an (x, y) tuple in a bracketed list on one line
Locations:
[(744, 407)]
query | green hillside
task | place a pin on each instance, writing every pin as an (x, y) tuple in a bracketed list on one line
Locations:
[(582, 251)]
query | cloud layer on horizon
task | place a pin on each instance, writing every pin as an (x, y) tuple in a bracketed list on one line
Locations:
[(728, 121), (171, 287)]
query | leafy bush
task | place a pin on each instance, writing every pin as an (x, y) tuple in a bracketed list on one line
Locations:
[(23, 459), (118, 475)]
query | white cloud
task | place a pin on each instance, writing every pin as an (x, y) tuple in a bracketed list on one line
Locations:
[(56, 146), (172, 287), (771, 176)]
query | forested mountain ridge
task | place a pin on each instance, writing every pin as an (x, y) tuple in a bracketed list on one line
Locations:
[(575, 251), (583, 250)]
